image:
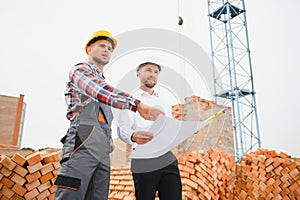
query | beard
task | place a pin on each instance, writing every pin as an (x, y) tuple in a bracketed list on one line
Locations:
[(150, 85), (100, 61)]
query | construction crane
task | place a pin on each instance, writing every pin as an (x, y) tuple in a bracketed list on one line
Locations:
[(232, 71)]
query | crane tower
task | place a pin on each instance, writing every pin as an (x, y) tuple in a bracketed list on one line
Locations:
[(232, 71)]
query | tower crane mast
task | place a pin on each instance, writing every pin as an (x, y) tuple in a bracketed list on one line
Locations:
[(232, 71)]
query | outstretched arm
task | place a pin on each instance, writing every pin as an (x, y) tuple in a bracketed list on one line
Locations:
[(83, 77), (148, 112)]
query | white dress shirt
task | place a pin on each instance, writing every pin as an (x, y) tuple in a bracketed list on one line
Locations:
[(130, 122)]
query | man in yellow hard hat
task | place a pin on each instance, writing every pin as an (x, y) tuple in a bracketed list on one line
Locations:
[(85, 162), (104, 35)]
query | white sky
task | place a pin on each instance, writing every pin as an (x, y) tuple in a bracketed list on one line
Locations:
[(41, 40)]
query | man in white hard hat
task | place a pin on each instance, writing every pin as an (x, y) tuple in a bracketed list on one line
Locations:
[(85, 162), (151, 175)]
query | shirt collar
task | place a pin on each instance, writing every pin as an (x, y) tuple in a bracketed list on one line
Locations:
[(96, 69), (144, 93)]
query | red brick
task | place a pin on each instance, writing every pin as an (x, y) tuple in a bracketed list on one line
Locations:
[(293, 173), (32, 185), (7, 182), (119, 187), (51, 196), (188, 169), (7, 162), (293, 187), (278, 170), (126, 182), (35, 167), (261, 158), (31, 194), (203, 185), (33, 158), (53, 180), (129, 198), (189, 164), (278, 162), (18, 179), (20, 170), (52, 157), (19, 189), (7, 192), (46, 168), (6, 172), (44, 186), (52, 189), (270, 196), (190, 183), (129, 188), (56, 165), (284, 155), (34, 176), (269, 168), (194, 178), (43, 195), (19, 159), (184, 174), (202, 166), (292, 166), (55, 172), (46, 177)]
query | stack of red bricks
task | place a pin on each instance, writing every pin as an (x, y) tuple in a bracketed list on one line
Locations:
[(213, 175), (207, 176), (266, 174), (29, 177), (121, 184)]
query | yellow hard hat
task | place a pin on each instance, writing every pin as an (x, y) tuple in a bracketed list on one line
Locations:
[(101, 34)]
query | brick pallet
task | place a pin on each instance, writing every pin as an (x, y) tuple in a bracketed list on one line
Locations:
[(29, 177)]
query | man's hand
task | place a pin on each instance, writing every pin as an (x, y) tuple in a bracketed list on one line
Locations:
[(148, 112), (111, 142), (141, 137)]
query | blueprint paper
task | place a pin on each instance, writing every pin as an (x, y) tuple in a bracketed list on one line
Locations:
[(168, 133)]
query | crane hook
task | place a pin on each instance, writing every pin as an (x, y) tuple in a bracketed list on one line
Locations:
[(180, 21)]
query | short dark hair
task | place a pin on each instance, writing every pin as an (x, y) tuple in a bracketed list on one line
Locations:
[(101, 38), (148, 63)]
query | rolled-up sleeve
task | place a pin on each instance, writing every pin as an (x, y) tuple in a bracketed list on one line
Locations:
[(125, 129)]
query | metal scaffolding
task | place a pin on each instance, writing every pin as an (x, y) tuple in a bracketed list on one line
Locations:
[(232, 71)]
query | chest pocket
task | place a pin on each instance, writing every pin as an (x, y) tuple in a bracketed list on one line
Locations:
[(105, 114), (101, 116)]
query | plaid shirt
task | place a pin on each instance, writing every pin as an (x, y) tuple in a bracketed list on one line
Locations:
[(86, 83)]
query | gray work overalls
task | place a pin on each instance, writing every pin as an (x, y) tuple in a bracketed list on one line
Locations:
[(85, 162)]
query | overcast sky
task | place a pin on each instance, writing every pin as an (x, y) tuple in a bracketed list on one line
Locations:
[(41, 40)]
